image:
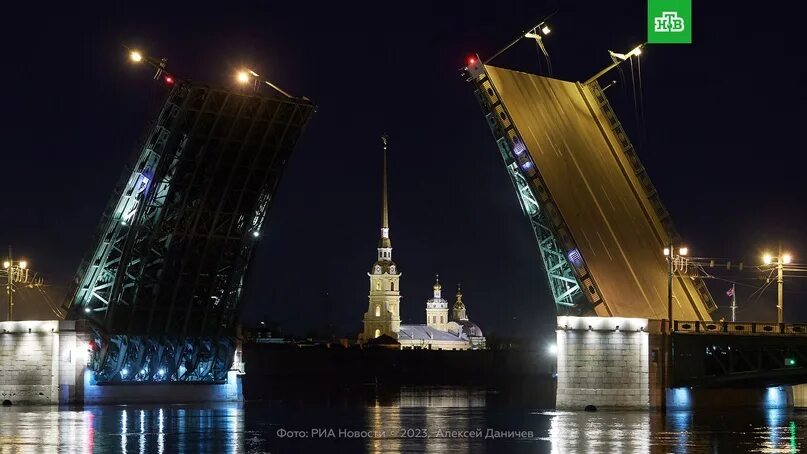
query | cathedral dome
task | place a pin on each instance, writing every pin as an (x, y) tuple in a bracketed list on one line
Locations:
[(437, 301), (470, 328)]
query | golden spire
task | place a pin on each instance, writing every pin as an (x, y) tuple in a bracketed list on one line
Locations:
[(385, 215), (384, 244)]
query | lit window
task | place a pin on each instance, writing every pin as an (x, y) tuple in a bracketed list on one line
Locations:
[(377, 333), (378, 285), (378, 311)]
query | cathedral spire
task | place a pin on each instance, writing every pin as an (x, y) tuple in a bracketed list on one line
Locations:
[(384, 244), (385, 207)]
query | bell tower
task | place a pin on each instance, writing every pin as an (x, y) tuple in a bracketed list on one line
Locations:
[(383, 313), (437, 308), (459, 307)]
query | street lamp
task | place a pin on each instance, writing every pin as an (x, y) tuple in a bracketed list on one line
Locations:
[(245, 75), (16, 272), (137, 57), (675, 262), (242, 77), (779, 262)]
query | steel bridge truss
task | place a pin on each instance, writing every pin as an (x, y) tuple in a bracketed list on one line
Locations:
[(744, 357), (125, 358), (163, 284), (565, 288)]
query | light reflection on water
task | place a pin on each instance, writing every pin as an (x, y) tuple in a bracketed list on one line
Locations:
[(409, 418), (124, 429)]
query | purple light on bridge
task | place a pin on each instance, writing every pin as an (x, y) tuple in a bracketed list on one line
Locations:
[(518, 148)]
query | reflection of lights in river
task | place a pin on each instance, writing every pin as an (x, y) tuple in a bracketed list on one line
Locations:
[(599, 432)]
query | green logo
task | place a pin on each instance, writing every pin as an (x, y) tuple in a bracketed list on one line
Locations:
[(669, 21)]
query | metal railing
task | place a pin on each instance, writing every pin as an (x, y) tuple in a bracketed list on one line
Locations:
[(740, 328)]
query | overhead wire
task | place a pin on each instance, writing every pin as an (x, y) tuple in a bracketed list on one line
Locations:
[(643, 130)]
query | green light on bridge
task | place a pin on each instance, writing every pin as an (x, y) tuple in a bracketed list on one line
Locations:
[(790, 362)]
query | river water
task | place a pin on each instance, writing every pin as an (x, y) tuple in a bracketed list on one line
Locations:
[(405, 420)]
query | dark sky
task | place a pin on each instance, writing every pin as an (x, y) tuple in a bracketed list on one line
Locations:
[(722, 138)]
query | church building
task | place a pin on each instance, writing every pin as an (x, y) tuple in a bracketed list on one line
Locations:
[(440, 332)]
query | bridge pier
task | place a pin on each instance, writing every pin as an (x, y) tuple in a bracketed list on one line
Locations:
[(607, 362), (800, 396), (618, 363), (45, 363)]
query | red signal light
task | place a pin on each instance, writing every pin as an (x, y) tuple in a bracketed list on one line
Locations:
[(169, 80), (471, 61)]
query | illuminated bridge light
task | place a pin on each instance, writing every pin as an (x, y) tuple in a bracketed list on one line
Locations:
[(575, 258), (681, 398), (790, 362)]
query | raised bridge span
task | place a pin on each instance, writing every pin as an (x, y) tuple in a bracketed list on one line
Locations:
[(599, 222), (162, 285)]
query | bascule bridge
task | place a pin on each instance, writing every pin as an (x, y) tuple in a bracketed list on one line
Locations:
[(606, 242)]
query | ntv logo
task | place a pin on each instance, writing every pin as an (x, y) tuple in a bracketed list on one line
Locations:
[(669, 21)]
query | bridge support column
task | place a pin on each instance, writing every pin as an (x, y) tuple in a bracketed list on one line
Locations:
[(608, 362), (800, 396), (618, 363)]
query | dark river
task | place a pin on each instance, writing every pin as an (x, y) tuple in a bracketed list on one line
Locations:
[(406, 420)]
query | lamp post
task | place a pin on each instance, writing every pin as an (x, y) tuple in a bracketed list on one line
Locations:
[(16, 271), (674, 263), (246, 75), (779, 262)]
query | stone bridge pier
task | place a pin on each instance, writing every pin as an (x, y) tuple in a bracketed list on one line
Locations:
[(45, 362), (618, 363)]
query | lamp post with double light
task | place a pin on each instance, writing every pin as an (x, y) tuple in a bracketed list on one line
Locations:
[(675, 262), (16, 271), (779, 262)]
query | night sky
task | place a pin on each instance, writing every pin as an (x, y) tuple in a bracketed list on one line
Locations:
[(722, 138)]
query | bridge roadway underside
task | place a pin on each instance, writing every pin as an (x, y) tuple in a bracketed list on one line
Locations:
[(738, 361), (599, 197)]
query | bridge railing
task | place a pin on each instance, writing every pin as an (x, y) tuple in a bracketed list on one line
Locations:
[(739, 328)]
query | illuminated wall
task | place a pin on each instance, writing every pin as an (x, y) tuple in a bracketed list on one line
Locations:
[(602, 361), (29, 353)]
